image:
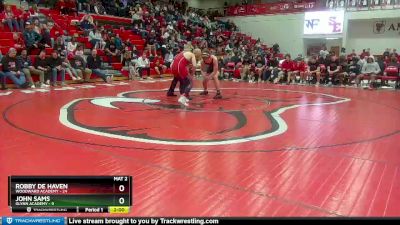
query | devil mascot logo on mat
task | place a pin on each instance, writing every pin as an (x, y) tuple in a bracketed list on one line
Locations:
[(148, 116)]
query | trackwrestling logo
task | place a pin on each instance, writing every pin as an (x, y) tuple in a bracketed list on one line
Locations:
[(148, 116)]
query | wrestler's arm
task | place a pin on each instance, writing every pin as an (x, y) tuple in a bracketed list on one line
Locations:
[(215, 65), (194, 64), (203, 69)]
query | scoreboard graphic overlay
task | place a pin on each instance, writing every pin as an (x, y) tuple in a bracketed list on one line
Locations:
[(77, 194)]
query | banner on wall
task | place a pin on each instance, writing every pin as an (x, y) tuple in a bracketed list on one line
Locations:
[(270, 8), (386, 27), (290, 7), (354, 5), (323, 22)]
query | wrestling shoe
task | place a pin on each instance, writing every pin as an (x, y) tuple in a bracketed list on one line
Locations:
[(183, 100), (204, 93), (218, 96)]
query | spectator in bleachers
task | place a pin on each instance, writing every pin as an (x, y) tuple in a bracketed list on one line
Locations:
[(353, 70), (371, 69), (136, 18), (41, 66), (362, 61), (71, 47), (11, 19), (276, 48), (394, 53), (143, 64), (59, 45), (31, 38), (381, 64), (96, 39), (12, 69), (169, 57), (352, 54), (386, 52), (1, 5), (151, 43), (71, 7), (79, 51), (314, 70), (333, 70), (126, 56), (79, 65), (27, 68), (324, 53), (87, 22), (99, 9), (271, 69), (287, 68), (111, 50), (61, 6), (259, 68), (46, 40), (300, 70), (343, 63), (119, 44), (55, 63), (159, 67), (36, 26), (33, 13), (18, 41), (394, 62), (94, 63), (66, 64), (364, 53)]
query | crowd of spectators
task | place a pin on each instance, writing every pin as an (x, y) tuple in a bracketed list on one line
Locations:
[(325, 68)]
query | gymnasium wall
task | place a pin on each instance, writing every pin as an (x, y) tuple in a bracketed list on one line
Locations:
[(287, 30), (363, 34)]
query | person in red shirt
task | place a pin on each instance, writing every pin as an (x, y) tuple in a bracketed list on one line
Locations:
[(159, 67), (18, 41), (300, 68), (11, 19), (71, 7), (351, 55), (365, 53), (62, 7), (286, 68)]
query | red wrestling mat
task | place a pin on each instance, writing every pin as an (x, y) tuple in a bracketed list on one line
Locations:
[(263, 150)]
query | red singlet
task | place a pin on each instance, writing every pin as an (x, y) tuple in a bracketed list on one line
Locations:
[(179, 66)]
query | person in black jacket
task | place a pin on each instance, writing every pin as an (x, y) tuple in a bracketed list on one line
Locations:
[(271, 70), (353, 70), (13, 70), (29, 69), (79, 65), (55, 64), (94, 63), (41, 65)]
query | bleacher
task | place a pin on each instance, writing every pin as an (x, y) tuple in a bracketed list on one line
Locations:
[(66, 23)]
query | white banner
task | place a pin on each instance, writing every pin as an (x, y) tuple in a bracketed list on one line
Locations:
[(324, 22)]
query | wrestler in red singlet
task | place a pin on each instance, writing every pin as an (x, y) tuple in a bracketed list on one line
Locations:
[(183, 69), (180, 66)]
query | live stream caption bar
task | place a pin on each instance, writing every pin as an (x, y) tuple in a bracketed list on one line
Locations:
[(173, 220), (103, 209), (104, 221)]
